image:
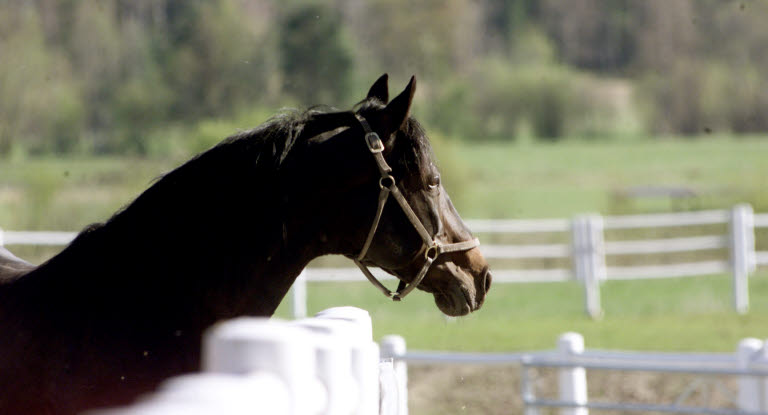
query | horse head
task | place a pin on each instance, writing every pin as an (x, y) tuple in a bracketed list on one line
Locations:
[(377, 187)]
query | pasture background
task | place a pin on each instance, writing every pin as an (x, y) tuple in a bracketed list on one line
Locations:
[(488, 180), (536, 108)]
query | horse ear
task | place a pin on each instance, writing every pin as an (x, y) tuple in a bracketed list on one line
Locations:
[(397, 110), (380, 90)]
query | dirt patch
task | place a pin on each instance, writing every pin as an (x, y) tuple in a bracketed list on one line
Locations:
[(492, 390), (461, 389)]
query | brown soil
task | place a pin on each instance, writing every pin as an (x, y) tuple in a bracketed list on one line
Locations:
[(491, 390)]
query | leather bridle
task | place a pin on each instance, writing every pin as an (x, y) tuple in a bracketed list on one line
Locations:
[(389, 187)]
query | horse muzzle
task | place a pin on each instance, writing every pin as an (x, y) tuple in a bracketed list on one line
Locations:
[(463, 293)]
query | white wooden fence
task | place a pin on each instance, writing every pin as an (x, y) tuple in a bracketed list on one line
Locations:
[(573, 363), (588, 249), (330, 365), (587, 252), (327, 365)]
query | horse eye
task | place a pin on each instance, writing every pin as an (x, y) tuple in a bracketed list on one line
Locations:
[(434, 181)]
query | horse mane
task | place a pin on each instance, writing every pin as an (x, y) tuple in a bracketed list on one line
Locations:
[(263, 149), (245, 166), (270, 143), (244, 169)]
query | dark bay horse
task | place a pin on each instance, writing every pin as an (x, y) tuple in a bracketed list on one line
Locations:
[(125, 304)]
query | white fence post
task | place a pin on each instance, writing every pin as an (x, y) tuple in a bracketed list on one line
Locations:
[(299, 296), (749, 386), (2, 237), (572, 381), (588, 250), (527, 387), (247, 345), (763, 361), (335, 343), (388, 404), (393, 347), (742, 245), (327, 365), (365, 356)]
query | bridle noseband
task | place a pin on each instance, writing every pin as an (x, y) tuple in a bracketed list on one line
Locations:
[(389, 187)]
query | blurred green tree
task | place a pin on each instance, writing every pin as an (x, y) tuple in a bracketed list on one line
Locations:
[(104, 76), (503, 19), (435, 39), (315, 60), (598, 35), (216, 59), (40, 107), (95, 53)]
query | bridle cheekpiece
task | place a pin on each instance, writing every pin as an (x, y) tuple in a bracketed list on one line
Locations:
[(389, 187)]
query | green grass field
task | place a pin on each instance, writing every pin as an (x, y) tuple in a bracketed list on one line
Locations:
[(539, 180), (673, 314), (499, 181)]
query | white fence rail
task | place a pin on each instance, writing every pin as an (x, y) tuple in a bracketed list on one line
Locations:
[(587, 251), (573, 363), (327, 365)]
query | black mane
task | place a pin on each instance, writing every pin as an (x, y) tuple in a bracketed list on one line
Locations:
[(263, 149), (235, 185)]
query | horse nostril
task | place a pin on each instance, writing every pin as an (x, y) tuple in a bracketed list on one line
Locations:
[(488, 279)]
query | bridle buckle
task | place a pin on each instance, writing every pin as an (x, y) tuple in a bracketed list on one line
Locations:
[(374, 142)]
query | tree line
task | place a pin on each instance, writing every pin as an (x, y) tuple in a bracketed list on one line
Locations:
[(122, 76)]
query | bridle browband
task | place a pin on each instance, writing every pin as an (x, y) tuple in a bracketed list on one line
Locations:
[(389, 187)]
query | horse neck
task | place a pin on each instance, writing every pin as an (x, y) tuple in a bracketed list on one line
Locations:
[(195, 246)]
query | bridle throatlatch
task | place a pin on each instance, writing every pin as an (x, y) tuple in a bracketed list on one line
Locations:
[(389, 187)]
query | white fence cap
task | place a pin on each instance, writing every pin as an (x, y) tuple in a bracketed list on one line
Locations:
[(570, 342), (355, 315), (339, 330)]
